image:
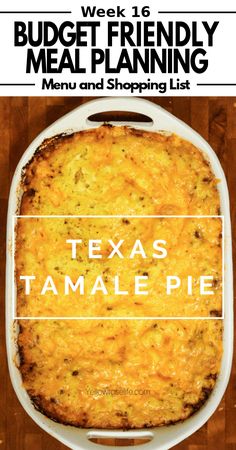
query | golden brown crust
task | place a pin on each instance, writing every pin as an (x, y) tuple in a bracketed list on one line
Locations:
[(50, 409), (76, 372)]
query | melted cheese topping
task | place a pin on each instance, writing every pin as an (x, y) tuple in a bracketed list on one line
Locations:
[(119, 373)]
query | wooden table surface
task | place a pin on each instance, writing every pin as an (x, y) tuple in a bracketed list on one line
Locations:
[(21, 119)]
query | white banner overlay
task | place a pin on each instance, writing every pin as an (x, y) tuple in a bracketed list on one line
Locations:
[(167, 269)]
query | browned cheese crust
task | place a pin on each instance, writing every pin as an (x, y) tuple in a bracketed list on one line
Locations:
[(122, 373)]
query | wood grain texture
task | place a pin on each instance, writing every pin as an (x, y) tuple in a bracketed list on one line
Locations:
[(21, 119)]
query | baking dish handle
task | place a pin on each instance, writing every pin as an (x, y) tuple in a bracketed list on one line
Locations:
[(128, 436), (161, 120), (79, 117), (121, 104)]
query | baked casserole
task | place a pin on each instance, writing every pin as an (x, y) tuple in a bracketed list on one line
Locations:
[(119, 373)]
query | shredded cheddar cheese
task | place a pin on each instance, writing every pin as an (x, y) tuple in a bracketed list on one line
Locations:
[(119, 373)]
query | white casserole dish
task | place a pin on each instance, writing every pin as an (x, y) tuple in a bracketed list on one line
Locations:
[(165, 437)]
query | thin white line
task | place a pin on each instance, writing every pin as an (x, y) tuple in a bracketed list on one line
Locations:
[(118, 318), (13, 267), (117, 217), (223, 267)]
